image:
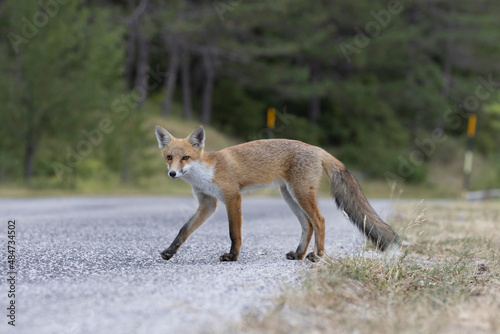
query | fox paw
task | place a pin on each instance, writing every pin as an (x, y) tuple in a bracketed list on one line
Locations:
[(291, 256), (313, 257), (166, 254), (228, 257)]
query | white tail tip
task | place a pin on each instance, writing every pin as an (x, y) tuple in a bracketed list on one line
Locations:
[(393, 252)]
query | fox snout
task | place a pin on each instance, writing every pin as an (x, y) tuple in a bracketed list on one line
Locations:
[(176, 173), (175, 169)]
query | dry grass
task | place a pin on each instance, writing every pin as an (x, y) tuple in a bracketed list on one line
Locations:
[(447, 280)]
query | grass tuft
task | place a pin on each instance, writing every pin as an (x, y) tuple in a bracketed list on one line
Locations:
[(446, 280)]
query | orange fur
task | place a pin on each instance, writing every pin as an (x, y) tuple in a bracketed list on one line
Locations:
[(291, 165)]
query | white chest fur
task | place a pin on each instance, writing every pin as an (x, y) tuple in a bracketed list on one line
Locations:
[(200, 177)]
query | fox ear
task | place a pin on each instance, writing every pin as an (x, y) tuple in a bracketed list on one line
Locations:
[(197, 137), (164, 138)]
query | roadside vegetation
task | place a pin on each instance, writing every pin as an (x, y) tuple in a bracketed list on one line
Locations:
[(144, 172), (83, 80), (447, 280)]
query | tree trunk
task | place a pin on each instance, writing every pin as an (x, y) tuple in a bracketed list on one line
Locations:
[(208, 87), (314, 102), (29, 154), (134, 42), (125, 170), (413, 63), (29, 143), (186, 84), (142, 66), (314, 109), (447, 78), (171, 79), (131, 53)]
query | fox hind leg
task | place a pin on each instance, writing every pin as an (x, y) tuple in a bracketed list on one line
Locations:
[(309, 205), (307, 228)]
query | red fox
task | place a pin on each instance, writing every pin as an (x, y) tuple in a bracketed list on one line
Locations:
[(293, 166)]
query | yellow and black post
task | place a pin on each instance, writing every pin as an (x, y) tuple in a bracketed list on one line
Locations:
[(271, 121), (471, 133)]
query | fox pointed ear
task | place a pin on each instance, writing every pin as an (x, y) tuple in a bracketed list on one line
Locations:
[(197, 137), (164, 138)]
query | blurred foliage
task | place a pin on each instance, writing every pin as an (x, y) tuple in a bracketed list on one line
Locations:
[(364, 79), (54, 81), (234, 110)]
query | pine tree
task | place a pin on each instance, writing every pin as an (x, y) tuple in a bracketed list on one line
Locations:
[(62, 64)]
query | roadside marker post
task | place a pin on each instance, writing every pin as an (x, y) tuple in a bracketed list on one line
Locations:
[(471, 133), (271, 121)]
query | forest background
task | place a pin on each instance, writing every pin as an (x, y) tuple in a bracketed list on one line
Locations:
[(386, 86)]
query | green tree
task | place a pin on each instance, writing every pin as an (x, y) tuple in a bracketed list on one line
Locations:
[(62, 64)]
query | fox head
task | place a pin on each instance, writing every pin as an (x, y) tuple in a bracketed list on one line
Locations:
[(180, 153)]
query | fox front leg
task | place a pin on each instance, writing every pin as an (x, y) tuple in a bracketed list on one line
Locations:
[(233, 206), (207, 206)]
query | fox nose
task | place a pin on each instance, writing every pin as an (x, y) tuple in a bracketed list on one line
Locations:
[(172, 173)]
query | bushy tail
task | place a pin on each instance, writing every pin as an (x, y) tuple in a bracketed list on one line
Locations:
[(349, 198)]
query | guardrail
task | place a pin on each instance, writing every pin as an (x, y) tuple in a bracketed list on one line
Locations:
[(482, 194)]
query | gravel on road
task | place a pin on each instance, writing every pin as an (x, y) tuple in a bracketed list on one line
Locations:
[(92, 264)]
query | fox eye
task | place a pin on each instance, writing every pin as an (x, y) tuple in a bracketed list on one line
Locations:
[(186, 157), (169, 157)]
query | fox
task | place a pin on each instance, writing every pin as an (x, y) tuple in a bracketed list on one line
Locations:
[(293, 166)]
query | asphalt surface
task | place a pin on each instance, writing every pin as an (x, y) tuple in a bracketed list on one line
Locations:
[(92, 264)]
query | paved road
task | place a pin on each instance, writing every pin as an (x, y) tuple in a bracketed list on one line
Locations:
[(92, 264)]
